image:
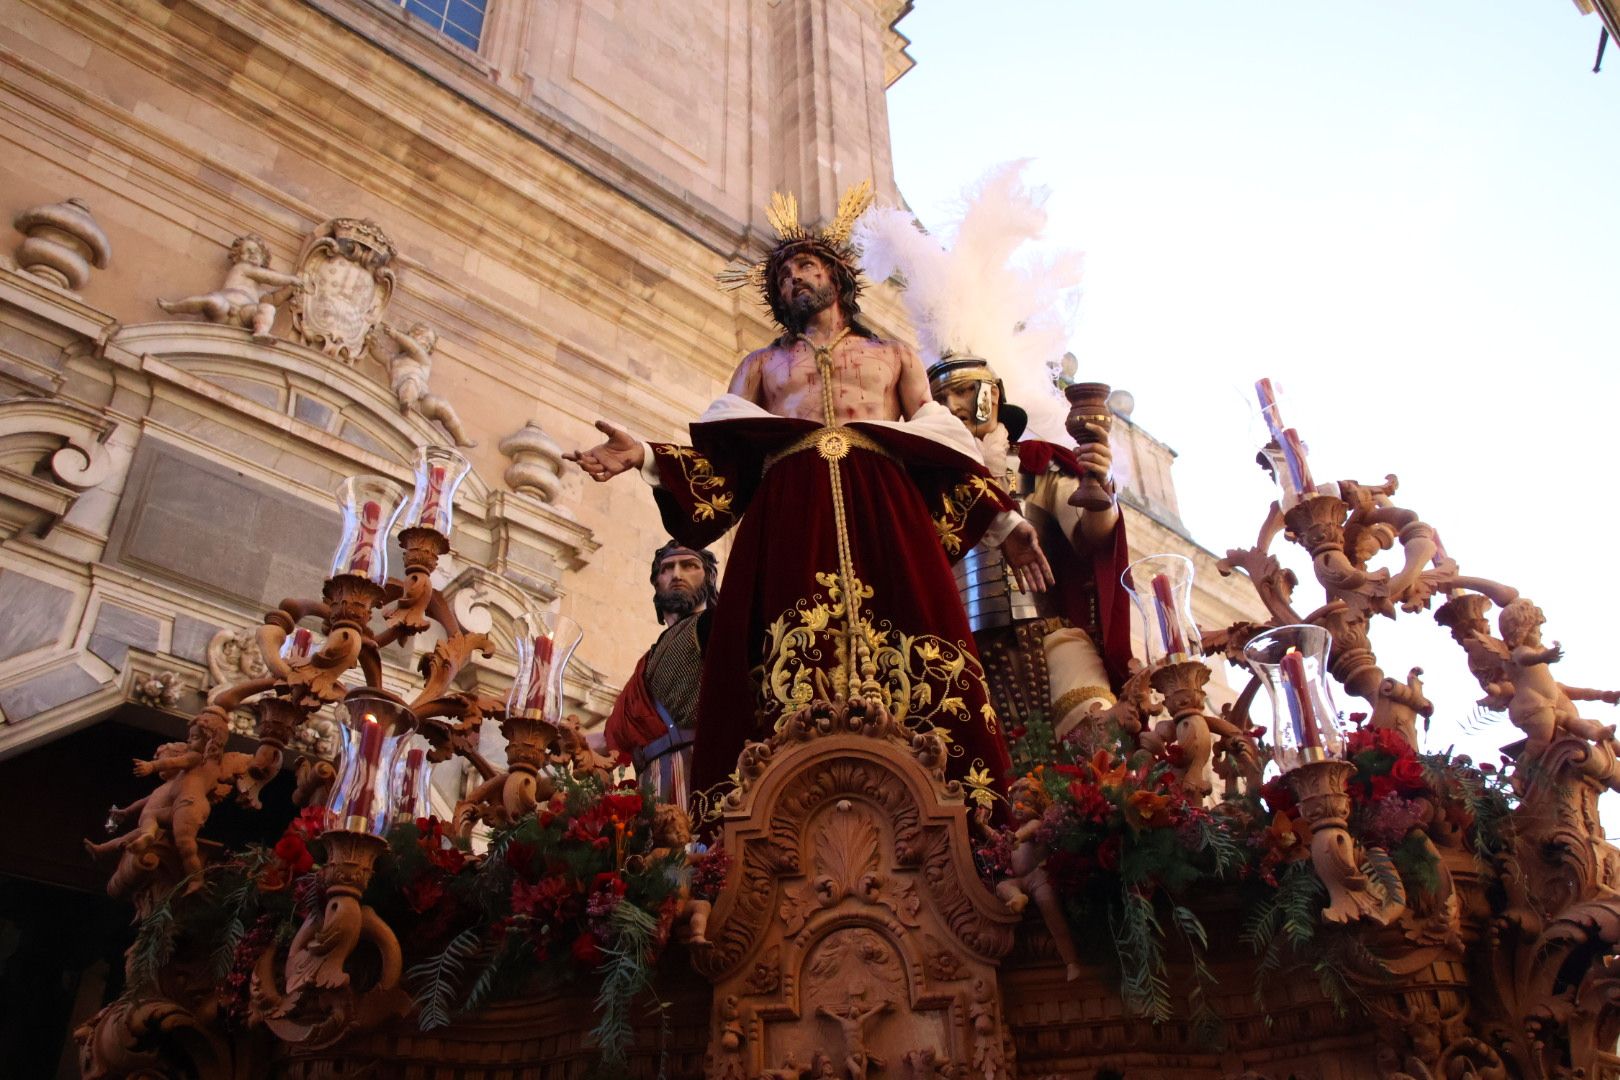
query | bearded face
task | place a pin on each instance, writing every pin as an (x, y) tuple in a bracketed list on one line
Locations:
[(680, 587), (806, 288)]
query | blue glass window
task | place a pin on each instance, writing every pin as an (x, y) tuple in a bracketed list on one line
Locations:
[(462, 21)]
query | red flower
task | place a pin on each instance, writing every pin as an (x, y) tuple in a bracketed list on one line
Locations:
[(310, 822), (1407, 774), (294, 853), (1279, 795), (587, 952), (424, 893), (1089, 802), (1382, 788), (1176, 755), (1108, 853)]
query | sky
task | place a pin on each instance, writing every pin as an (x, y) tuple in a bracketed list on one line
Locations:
[(1404, 217)]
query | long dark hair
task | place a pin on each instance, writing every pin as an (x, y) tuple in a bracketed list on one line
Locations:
[(845, 283)]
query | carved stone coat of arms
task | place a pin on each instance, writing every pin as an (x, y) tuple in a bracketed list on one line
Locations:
[(348, 281)]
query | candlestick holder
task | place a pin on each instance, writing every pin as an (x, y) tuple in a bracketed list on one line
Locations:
[(320, 1003), (1088, 404), (1160, 587), (1324, 802), (1316, 523), (545, 643), (1182, 685)]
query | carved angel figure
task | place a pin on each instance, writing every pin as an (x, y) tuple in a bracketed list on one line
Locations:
[(1540, 704), (408, 371), (244, 298), (196, 774), (672, 832), (1029, 881)]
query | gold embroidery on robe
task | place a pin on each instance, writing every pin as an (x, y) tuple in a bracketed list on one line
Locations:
[(698, 473), (921, 678), (954, 510)]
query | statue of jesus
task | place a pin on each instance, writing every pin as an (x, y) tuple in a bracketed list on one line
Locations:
[(852, 491)]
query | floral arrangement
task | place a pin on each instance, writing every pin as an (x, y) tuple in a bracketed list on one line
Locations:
[(588, 886), (1126, 845), (1123, 841)]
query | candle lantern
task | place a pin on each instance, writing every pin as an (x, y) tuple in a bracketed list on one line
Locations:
[(439, 473), (299, 645), (375, 727), (1292, 663), (413, 782), (545, 643), (370, 504), (1161, 588)]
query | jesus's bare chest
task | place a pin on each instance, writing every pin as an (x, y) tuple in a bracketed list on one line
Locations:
[(860, 382)]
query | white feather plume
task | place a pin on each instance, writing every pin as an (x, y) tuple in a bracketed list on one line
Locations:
[(972, 297)]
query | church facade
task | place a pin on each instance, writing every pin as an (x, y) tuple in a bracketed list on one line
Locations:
[(509, 217)]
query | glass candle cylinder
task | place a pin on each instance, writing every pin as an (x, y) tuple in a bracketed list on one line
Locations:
[(300, 645), (1161, 588), (545, 643), (413, 782), (370, 504), (439, 473), (375, 727), (1292, 663)]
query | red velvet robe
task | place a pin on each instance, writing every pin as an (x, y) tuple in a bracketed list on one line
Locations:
[(780, 636)]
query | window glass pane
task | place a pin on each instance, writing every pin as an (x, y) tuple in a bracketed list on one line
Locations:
[(428, 10), (460, 36), (462, 21), (467, 16)]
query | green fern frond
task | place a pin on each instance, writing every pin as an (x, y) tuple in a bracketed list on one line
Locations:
[(627, 973), (440, 976)]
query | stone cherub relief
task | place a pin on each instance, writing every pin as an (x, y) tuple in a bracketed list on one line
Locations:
[(409, 365), (339, 291), (244, 299)]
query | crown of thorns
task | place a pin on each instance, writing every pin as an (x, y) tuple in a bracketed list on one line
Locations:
[(831, 242)]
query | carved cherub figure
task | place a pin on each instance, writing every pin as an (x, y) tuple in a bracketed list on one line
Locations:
[(671, 833), (1029, 881), (408, 371), (196, 774), (244, 298), (1540, 704)]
